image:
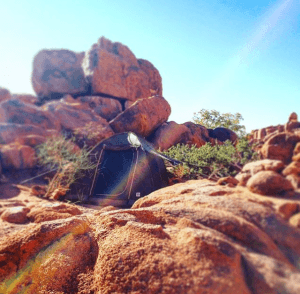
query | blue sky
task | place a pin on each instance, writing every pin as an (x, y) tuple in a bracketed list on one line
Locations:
[(228, 55)]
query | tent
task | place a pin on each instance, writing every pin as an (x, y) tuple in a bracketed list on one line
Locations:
[(127, 168)]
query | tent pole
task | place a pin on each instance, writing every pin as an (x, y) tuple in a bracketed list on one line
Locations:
[(96, 169)]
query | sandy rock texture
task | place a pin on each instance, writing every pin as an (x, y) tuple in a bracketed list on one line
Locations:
[(17, 112), (169, 134), (112, 69), (193, 237), (104, 107), (58, 72), (142, 117)]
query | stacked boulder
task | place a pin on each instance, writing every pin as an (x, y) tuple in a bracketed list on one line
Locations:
[(92, 95), (278, 173)]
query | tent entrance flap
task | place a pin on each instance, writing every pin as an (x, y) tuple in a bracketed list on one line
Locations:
[(115, 173)]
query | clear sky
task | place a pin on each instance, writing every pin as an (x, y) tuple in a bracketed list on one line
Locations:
[(228, 55)]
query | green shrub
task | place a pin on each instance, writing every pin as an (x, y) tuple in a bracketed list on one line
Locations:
[(211, 161), (66, 158)]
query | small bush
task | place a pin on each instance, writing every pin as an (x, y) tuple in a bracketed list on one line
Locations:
[(66, 158), (211, 161)]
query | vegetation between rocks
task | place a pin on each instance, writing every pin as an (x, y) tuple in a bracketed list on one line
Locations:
[(66, 159), (210, 161), (216, 161)]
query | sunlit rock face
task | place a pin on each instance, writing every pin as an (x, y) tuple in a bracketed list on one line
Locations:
[(142, 117), (193, 237), (58, 72), (169, 134), (112, 69)]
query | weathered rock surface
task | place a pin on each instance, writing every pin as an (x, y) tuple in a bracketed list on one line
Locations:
[(143, 117), (16, 215), (169, 134), (199, 134), (71, 116), (292, 169), (252, 168), (58, 72), (269, 183), (223, 134), (104, 107), (261, 165), (15, 156), (262, 135), (280, 146), (195, 237), (18, 112), (295, 220), (10, 132), (113, 69), (4, 94), (26, 98)]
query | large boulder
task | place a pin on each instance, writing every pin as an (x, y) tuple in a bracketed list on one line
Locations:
[(57, 72), (112, 69), (199, 134), (143, 117), (261, 165), (10, 132), (16, 156), (71, 116), (223, 134), (103, 106), (280, 146), (169, 134), (269, 183), (18, 112), (252, 168), (16, 215)]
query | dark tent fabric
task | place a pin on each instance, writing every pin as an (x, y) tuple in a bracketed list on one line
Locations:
[(127, 168)]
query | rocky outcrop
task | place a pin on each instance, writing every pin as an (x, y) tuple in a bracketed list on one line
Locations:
[(280, 146), (112, 69), (58, 72), (26, 98), (142, 117), (279, 172), (16, 156), (96, 94), (199, 134), (11, 132), (194, 237), (223, 134), (104, 107), (169, 134), (269, 183), (262, 135), (18, 112), (71, 116)]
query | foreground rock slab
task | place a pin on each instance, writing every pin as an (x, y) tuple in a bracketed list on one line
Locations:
[(193, 237)]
